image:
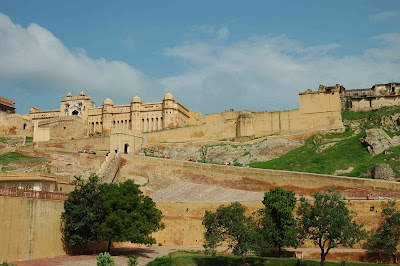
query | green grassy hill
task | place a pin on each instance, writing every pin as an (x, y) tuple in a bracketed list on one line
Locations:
[(326, 153), (14, 160)]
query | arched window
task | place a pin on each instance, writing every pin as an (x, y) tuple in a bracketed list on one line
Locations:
[(126, 148)]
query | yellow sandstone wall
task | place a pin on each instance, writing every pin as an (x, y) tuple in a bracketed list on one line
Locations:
[(183, 220), (317, 111), (15, 124), (29, 228), (93, 143), (254, 179)]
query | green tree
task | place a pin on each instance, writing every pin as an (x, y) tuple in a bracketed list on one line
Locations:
[(328, 222), (265, 232), (129, 216), (213, 235), (387, 235), (230, 224), (82, 212), (279, 205)]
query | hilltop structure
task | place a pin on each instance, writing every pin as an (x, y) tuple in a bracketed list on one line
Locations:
[(377, 96), (78, 116), (7, 105), (319, 111)]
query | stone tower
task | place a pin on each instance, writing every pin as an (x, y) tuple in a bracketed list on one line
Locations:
[(244, 127), (106, 117), (135, 114), (168, 111)]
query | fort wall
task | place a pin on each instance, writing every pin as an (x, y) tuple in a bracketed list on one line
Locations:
[(320, 110), (254, 179), (31, 228), (183, 220)]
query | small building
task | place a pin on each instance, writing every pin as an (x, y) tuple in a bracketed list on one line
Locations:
[(6, 105), (377, 96), (35, 181)]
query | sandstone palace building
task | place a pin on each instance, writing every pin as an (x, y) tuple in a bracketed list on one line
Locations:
[(371, 98), (6, 105), (90, 120)]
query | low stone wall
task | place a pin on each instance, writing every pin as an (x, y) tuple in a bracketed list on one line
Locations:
[(255, 179), (79, 144)]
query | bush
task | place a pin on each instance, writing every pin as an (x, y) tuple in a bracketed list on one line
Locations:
[(6, 264), (132, 261), (105, 259)]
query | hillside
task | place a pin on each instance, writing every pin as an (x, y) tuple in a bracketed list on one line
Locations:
[(343, 153)]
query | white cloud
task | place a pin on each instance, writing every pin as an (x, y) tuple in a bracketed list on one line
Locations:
[(223, 33), (220, 34), (267, 72), (259, 73), (383, 16), (35, 58)]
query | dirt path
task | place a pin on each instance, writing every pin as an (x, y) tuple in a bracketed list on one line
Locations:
[(144, 254), (120, 256)]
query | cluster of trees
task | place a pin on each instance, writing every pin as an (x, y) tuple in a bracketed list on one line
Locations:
[(109, 212), (325, 220)]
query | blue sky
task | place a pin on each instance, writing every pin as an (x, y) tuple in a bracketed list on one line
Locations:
[(212, 55)]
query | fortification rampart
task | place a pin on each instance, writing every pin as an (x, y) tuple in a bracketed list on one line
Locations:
[(31, 228), (255, 179), (320, 110)]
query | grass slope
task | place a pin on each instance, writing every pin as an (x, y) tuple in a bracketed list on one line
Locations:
[(194, 258), (17, 160), (369, 119), (347, 152)]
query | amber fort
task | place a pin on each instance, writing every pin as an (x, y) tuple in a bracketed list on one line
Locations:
[(157, 145)]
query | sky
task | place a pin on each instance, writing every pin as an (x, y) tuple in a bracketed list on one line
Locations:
[(211, 55)]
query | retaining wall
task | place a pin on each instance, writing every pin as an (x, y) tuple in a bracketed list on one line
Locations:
[(255, 179)]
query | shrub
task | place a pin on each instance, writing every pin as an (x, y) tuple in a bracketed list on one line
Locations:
[(105, 259), (132, 261), (6, 264)]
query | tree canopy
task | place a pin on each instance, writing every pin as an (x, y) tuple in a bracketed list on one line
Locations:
[(129, 216), (109, 212), (230, 224), (387, 236), (328, 222), (278, 213), (83, 212)]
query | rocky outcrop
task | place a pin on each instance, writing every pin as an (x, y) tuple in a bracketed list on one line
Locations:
[(391, 120), (243, 154), (376, 140), (383, 172)]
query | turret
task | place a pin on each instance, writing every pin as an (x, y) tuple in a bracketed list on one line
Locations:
[(244, 127), (168, 111), (135, 114), (107, 116)]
